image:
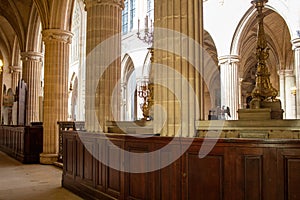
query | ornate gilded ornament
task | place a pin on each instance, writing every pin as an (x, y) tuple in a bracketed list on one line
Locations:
[(263, 91)]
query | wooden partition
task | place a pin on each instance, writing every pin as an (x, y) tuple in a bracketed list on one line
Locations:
[(234, 168), (24, 143)]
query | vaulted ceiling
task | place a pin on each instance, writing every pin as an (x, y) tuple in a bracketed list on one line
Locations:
[(20, 20)]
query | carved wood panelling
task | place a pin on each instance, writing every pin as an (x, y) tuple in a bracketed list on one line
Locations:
[(233, 169)]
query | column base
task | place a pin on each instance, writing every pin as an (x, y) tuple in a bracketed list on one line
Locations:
[(48, 159)]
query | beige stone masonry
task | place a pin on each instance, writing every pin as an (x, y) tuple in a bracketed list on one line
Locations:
[(56, 69), (264, 129), (32, 64), (16, 76), (296, 48), (287, 98), (103, 22), (230, 84), (178, 112)]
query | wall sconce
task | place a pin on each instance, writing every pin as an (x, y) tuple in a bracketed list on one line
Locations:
[(293, 90), (1, 66)]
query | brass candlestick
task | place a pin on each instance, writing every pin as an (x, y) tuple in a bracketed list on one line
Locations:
[(263, 90), (146, 92)]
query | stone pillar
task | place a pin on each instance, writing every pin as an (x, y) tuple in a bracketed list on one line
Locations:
[(16, 76), (103, 68), (16, 72), (296, 48), (230, 84), (56, 71), (282, 91), (177, 67), (32, 65), (287, 82), (290, 112)]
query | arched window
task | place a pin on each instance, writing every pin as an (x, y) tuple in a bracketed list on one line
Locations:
[(132, 13), (125, 18), (77, 63)]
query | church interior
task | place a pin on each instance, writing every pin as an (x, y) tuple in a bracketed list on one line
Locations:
[(151, 99)]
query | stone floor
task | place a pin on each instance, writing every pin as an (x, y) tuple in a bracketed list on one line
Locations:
[(31, 181)]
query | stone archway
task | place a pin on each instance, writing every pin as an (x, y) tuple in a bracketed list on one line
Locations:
[(280, 59), (128, 90)]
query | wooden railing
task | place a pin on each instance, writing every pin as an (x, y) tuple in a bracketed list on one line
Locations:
[(233, 169), (22, 143), (65, 126)]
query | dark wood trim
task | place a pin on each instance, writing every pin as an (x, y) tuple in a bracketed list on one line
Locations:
[(24, 143), (234, 168)]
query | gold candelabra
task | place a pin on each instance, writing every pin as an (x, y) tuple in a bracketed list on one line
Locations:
[(263, 90), (146, 92)]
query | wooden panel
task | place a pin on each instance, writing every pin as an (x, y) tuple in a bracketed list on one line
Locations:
[(69, 158), (234, 169), (100, 171), (169, 178), (293, 178), (288, 173), (113, 175), (205, 177), (253, 177), (23, 143), (249, 169), (79, 158), (88, 163), (138, 184)]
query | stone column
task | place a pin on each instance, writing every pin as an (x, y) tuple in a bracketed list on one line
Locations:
[(16, 76), (103, 68), (230, 84), (16, 72), (287, 82), (56, 71), (290, 112), (296, 48), (282, 91), (32, 65), (177, 67)]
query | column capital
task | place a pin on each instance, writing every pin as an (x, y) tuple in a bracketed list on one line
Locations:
[(228, 59), (58, 35), (31, 55), (295, 43), (91, 3), (15, 68)]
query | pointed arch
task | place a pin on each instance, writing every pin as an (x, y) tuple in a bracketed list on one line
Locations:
[(43, 8), (127, 68), (16, 53), (128, 85), (55, 14), (146, 70), (11, 13), (34, 37), (277, 33)]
